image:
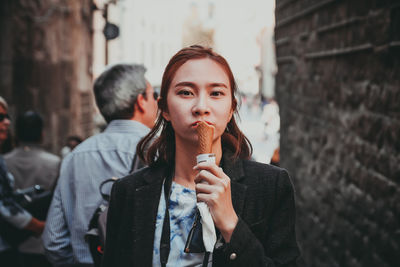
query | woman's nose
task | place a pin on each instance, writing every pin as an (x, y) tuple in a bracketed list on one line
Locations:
[(201, 106)]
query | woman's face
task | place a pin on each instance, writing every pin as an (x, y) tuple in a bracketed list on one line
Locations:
[(199, 91), (4, 125)]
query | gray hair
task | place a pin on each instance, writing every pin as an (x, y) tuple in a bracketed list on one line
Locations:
[(3, 103), (117, 88)]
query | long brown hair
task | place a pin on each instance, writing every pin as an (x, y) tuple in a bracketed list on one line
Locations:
[(162, 149)]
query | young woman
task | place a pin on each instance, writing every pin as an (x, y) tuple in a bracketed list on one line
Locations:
[(251, 204)]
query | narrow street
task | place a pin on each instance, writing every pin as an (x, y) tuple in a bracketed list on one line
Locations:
[(252, 125)]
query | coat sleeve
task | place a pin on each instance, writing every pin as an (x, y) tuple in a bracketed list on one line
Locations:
[(277, 246), (113, 219)]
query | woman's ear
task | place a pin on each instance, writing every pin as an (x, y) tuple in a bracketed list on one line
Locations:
[(161, 107), (165, 115), (234, 105), (230, 115)]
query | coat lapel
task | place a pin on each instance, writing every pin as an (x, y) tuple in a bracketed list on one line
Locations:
[(146, 201), (234, 169)]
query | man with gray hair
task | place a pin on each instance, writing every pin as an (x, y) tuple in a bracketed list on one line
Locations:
[(129, 105)]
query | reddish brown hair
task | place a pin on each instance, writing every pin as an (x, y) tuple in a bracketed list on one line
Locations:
[(162, 150)]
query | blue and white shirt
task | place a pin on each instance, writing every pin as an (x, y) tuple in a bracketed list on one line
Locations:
[(77, 195), (182, 209)]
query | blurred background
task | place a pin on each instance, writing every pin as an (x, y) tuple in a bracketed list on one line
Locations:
[(319, 85)]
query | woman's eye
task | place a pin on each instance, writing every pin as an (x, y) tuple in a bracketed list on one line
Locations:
[(184, 92), (217, 93)]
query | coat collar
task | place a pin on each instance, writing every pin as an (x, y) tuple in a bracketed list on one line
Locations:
[(233, 167)]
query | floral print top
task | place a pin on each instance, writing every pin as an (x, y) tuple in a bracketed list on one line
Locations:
[(182, 208)]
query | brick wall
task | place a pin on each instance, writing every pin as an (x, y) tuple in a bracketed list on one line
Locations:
[(338, 87), (45, 61)]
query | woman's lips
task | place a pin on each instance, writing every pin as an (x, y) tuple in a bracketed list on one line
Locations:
[(197, 122)]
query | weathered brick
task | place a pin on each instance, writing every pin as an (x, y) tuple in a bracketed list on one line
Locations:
[(340, 130)]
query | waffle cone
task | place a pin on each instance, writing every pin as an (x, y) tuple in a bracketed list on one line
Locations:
[(205, 133)]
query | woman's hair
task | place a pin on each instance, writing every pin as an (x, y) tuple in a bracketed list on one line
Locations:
[(162, 149)]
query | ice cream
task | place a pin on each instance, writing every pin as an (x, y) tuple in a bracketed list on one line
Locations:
[(206, 133)]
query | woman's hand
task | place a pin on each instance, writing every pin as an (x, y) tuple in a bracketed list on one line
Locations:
[(216, 193)]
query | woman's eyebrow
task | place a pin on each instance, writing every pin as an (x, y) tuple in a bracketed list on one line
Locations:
[(193, 85), (218, 85), (188, 84)]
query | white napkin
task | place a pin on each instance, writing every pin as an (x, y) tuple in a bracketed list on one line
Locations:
[(209, 235)]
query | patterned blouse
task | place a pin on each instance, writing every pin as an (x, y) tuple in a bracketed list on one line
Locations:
[(182, 208)]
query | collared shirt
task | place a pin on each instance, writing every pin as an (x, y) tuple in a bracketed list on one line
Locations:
[(30, 164), (76, 197), (9, 209)]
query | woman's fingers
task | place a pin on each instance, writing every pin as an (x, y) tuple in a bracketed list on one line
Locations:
[(210, 199), (210, 189), (211, 167), (206, 176), (204, 188), (211, 173)]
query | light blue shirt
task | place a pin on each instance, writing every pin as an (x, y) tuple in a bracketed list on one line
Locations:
[(76, 197), (182, 209)]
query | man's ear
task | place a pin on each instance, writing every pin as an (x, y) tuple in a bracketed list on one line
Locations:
[(140, 102)]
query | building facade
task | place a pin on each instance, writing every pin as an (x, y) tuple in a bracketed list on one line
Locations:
[(46, 59), (150, 34)]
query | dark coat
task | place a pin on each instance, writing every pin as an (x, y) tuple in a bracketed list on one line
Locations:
[(262, 196)]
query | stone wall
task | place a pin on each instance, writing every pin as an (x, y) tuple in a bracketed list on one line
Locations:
[(338, 88), (46, 58)]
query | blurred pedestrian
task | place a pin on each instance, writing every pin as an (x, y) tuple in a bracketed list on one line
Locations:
[(72, 142), (275, 158), (5, 134), (128, 104), (31, 165), (10, 211)]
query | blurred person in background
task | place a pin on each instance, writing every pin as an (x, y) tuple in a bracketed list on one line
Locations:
[(31, 165), (10, 211), (8, 144), (5, 134), (129, 105), (72, 142)]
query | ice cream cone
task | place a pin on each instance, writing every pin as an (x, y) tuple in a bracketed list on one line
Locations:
[(205, 133)]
